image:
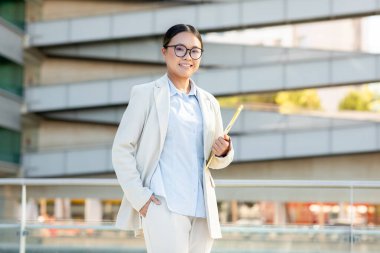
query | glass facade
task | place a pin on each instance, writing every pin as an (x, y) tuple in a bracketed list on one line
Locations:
[(11, 76), (10, 146), (14, 12)]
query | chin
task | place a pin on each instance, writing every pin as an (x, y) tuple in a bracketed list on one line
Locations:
[(181, 73), (187, 74)]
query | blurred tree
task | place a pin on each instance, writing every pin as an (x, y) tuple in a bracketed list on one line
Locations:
[(234, 101), (290, 101), (375, 89), (358, 100), (287, 101)]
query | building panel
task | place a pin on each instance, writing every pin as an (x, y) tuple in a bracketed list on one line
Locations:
[(352, 6), (10, 109), (313, 72), (83, 30), (355, 139), (307, 143), (11, 43), (305, 9), (262, 146), (204, 16)]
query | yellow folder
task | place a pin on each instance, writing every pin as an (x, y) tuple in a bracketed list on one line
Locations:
[(226, 131)]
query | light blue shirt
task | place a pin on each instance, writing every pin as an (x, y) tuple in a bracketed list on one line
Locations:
[(179, 174)]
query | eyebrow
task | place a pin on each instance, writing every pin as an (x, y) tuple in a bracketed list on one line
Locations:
[(200, 47)]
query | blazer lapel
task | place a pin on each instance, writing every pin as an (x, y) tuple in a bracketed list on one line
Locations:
[(162, 100), (206, 109)]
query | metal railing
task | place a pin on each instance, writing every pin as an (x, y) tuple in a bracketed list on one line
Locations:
[(350, 186)]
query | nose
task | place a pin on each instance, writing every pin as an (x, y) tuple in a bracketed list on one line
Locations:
[(187, 55)]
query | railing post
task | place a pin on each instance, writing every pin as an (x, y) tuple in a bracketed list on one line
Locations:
[(352, 218), (23, 219)]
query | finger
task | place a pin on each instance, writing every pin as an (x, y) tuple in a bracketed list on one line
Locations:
[(226, 139), (216, 152), (220, 143), (155, 200), (143, 213), (223, 140), (216, 147), (219, 151)]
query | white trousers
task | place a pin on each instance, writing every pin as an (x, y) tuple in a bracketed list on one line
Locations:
[(168, 232)]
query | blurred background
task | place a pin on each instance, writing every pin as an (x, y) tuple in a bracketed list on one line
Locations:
[(306, 174)]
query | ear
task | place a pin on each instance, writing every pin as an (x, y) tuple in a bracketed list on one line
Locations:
[(163, 51)]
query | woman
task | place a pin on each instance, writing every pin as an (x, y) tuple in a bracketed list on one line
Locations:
[(160, 151)]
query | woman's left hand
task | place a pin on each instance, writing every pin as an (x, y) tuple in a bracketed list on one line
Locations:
[(222, 145)]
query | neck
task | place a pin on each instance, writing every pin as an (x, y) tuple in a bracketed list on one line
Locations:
[(182, 84)]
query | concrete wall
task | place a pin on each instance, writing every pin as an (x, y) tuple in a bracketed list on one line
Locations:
[(59, 70), (59, 134), (9, 199), (58, 9), (8, 170), (346, 167)]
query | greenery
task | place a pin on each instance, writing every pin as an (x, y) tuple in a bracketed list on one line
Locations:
[(301, 99), (234, 101), (286, 100), (358, 100), (363, 99)]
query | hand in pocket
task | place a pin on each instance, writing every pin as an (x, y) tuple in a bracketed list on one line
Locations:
[(144, 210)]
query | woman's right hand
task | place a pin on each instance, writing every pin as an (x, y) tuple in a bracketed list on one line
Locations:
[(143, 211)]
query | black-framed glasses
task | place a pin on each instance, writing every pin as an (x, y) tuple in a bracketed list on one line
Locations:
[(181, 50)]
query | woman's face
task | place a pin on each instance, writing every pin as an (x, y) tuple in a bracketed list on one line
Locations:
[(182, 67)]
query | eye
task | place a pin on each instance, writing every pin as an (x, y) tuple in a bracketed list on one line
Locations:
[(195, 51), (180, 48)]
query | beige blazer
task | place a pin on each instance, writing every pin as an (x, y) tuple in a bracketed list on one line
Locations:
[(138, 144)]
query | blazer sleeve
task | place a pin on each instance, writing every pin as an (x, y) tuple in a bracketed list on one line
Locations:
[(220, 162), (124, 149)]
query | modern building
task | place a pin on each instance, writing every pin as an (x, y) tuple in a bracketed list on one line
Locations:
[(66, 73), (12, 23)]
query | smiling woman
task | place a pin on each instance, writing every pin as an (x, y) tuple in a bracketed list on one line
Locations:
[(178, 41), (168, 191)]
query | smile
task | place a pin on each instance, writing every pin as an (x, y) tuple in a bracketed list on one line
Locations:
[(186, 65)]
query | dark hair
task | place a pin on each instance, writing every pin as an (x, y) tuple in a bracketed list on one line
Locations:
[(174, 30)]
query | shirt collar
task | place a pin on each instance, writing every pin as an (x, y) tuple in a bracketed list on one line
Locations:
[(174, 90)]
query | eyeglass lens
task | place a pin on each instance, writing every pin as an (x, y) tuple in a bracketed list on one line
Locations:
[(181, 51)]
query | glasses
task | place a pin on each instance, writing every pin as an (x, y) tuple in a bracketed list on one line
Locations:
[(180, 51)]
